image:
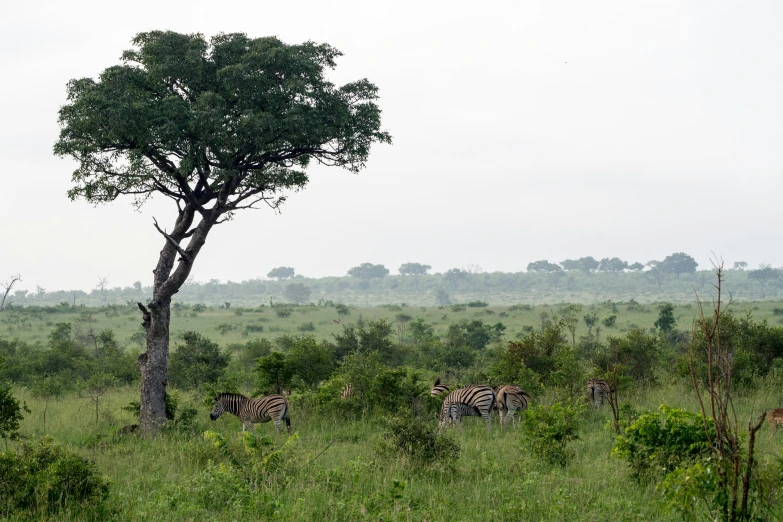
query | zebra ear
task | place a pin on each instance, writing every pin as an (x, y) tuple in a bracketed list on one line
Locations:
[(217, 397), (437, 381)]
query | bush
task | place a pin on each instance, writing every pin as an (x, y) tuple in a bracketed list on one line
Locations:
[(283, 312), (197, 362), (478, 304), (43, 477), (657, 443), (609, 321), (417, 443), (458, 308), (10, 412), (549, 429), (306, 327)]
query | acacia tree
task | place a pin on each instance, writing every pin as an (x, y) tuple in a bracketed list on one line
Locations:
[(215, 126)]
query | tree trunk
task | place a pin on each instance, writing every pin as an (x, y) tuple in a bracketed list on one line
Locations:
[(154, 363), (154, 367)]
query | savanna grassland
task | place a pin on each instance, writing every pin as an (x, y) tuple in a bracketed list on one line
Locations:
[(341, 462)]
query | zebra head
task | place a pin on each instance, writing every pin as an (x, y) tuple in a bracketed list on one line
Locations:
[(218, 410)]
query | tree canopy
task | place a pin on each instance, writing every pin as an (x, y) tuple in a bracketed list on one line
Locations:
[(543, 266), (281, 272), (414, 269), (367, 271)]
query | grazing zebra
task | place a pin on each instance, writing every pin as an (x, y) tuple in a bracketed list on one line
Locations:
[(510, 400), (249, 411), (471, 400), (598, 390), (439, 388), (347, 392)]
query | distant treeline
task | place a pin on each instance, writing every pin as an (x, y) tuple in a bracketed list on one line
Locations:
[(584, 280)]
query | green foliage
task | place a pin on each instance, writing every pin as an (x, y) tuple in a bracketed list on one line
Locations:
[(442, 297), (679, 263), (474, 334), (609, 321), (417, 443), (297, 292), (638, 353), (543, 266), (542, 357), (43, 478), (657, 443), (665, 322), (311, 361), (477, 304), (197, 362), (549, 429), (281, 272), (283, 312), (342, 309), (275, 371), (171, 401), (306, 327), (368, 336), (414, 269), (367, 271)]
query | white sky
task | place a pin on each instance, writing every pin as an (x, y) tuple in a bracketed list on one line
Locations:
[(522, 130)]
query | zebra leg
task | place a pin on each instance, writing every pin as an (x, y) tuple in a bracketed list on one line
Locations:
[(278, 426), (513, 419), (489, 422)]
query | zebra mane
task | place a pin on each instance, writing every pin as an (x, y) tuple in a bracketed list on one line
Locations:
[(229, 395)]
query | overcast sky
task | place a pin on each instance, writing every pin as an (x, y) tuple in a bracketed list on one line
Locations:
[(523, 130)]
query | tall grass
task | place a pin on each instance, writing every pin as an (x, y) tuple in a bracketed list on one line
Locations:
[(183, 476)]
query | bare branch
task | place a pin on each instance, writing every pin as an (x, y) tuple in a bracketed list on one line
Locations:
[(8, 285), (173, 242)]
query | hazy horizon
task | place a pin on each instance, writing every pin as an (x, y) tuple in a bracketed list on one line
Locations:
[(549, 130)]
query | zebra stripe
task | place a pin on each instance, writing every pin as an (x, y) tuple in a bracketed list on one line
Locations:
[(472, 401), (598, 390), (347, 392), (510, 400), (439, 388), (250, 411)]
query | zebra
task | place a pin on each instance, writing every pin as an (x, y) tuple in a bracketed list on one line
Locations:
[(471, 400), (347, 392), (511, 399), (597, 391), (249, 411), (439, 388)]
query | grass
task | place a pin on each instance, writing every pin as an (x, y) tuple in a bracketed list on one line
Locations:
[(228, 326), (182, 476)]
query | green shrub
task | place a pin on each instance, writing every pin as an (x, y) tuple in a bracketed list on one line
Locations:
[(197, 362), (283, 312), (10, 412), (609, 321), (224, 328), (657, 443), (417, 443), (549, 429), (520, 308), (478, 304), (199, 308), (306, 327), (458, 308), (43, 477)]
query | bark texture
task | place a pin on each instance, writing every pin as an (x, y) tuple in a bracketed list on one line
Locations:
[(154, 363)]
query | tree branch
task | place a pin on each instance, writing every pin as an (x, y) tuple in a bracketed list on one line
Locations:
[(173, 242)]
